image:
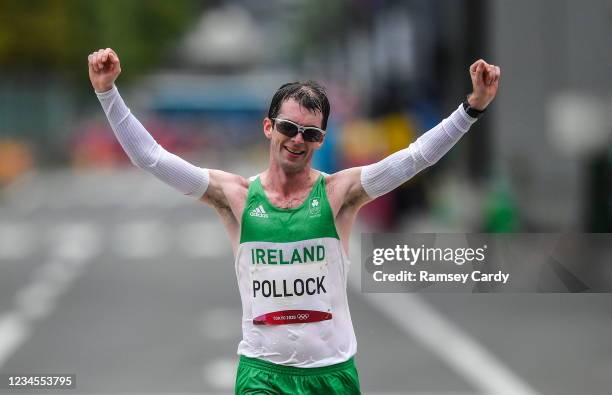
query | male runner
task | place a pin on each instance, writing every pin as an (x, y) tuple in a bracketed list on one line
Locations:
[(289, 226)]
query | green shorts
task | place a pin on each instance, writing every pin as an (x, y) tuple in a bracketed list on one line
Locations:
[(256, 376)]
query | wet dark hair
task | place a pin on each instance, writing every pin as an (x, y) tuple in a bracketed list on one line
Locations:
[(309, 95)]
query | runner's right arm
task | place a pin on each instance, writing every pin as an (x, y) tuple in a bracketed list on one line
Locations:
[(139, 145)]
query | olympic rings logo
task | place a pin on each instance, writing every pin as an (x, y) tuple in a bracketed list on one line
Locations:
[(302, 317)]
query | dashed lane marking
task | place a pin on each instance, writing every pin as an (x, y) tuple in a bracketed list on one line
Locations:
[(450, 343), (17, 240), (72, 247), (141, 239), (205, 239)]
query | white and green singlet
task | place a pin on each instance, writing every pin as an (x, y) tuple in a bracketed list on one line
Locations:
[(292, 274)]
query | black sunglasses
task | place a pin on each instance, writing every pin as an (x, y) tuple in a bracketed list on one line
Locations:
[(291, 129)]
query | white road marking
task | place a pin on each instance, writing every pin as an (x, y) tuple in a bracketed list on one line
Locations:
[(130, 188), (36, 300), (221, 373), (446, 340), (141, 239), (205, 239), (72, 247), (13, 333), (17, 240), (75, 241)]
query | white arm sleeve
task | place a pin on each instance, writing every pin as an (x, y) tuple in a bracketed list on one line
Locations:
[(144, 152), (384, 176)]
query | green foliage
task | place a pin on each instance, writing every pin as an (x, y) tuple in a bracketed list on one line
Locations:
[(57, 35)]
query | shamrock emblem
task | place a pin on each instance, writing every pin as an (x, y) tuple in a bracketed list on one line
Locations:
[(315, 202)]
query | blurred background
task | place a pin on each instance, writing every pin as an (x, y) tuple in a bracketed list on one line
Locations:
[(106, 273)]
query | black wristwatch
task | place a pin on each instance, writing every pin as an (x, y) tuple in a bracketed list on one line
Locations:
[(471, 111)]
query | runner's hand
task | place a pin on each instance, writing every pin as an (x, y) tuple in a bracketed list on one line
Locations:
[(485, 81), (104, 68)]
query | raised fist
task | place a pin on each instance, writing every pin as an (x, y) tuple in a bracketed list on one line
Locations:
[(104, 68), (485, 82)]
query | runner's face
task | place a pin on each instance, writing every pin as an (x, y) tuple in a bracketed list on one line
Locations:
[(292, 153)]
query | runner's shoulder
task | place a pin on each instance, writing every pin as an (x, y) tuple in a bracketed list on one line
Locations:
[(223, 187), (346, 185), (345, 176), (227, 179)]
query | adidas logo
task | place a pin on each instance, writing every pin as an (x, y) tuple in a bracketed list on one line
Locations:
[(259, 212)]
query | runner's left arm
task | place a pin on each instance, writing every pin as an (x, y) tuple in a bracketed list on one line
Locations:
[(369, 182)]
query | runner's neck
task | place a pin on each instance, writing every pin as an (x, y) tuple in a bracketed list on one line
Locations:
[(279, 183)]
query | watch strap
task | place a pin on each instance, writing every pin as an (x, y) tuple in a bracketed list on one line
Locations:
[(471, 111)]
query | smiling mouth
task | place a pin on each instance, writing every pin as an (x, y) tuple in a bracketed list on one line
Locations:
[(295, 152)]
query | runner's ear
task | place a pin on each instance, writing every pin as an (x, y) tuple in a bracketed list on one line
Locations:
[(267, 127)]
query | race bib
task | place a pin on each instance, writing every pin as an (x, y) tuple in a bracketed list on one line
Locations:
[(290, 294)]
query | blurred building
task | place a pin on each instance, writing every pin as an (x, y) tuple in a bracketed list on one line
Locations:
[(556, 62), (539, 161)]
